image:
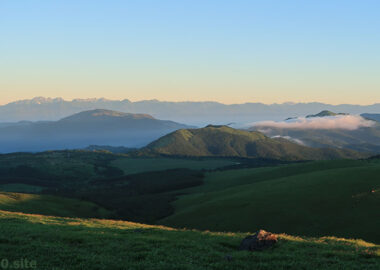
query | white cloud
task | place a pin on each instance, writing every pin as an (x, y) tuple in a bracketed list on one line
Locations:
[(295, 140), (346, 122)]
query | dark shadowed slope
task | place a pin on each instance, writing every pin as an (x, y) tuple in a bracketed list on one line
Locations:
[(340, 198), (226, 141), (96, 127)]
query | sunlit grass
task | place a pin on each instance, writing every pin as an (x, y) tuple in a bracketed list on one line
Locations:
[(50, 205)]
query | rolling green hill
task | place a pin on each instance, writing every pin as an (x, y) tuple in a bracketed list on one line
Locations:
[(72, 243), (340, 198), (229, 142)]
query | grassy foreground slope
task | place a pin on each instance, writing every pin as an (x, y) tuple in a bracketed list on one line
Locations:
[(72, 243), (340, 198), (223, 141)]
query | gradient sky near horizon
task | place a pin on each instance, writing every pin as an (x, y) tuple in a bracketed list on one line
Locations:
[(227, 51)]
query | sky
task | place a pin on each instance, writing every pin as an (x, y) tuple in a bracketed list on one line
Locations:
[(228, 51)]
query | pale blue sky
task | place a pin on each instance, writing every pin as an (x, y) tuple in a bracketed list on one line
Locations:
[(228, 51)]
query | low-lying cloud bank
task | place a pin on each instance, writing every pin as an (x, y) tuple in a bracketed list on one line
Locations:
[(346, 122)]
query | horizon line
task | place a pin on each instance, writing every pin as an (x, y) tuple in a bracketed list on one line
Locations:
[(178, 101)]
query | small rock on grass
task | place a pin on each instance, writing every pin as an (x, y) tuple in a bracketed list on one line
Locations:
[(259, 241)]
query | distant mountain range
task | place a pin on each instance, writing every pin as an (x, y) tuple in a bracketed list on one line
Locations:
[(223, 141), (193, 113), (95, 127)]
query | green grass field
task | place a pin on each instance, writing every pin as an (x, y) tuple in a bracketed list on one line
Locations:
[(139, 165), (27, 172), (133, 189), (72, 243), (340, 198), (50, 205), (32, 173), (325, 199)]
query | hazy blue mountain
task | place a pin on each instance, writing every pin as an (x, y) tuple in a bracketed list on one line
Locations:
[(12, 124), (194, 113), (372, 116), (324, 113), (95, 127)]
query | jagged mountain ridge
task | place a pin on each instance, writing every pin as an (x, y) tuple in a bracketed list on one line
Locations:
[(194, 113)]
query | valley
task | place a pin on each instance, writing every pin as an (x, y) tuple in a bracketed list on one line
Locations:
[(293, 197)]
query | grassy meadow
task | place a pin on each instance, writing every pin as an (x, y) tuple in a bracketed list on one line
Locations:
[(139, 165), (72, 243), (339, 198), (48, 202)]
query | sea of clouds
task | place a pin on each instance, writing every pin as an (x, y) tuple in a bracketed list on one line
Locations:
[(346, 122)]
